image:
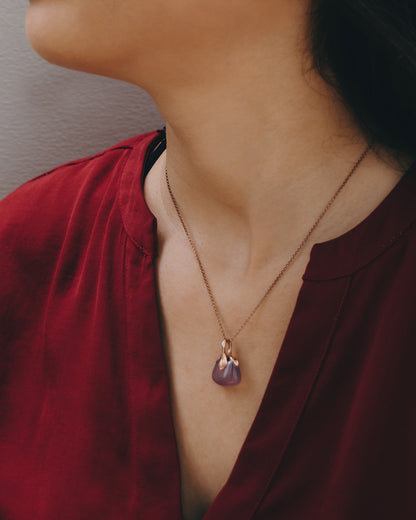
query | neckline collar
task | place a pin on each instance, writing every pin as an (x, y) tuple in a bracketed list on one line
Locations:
[(335, 258), (370, 238)]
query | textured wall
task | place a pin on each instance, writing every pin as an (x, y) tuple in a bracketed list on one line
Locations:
[(50, 115)]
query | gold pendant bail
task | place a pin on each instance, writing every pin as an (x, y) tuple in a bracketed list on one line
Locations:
[(227, 346)]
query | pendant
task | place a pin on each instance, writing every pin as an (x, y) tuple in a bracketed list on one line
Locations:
[(226, 370)]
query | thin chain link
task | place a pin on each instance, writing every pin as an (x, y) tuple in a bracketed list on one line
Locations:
[(286, 266)]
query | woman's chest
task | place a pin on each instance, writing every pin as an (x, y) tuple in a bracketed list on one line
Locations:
[(212, 421)]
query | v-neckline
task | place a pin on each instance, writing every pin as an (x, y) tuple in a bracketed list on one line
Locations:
[(286, 393), (292, 380)]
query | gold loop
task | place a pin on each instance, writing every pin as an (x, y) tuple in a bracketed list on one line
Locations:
[(227, 347)]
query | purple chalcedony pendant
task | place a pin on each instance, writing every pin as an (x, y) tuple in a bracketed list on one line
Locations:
[(226, 370)]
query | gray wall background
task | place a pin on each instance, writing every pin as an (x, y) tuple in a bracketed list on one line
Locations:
[(50, 115)]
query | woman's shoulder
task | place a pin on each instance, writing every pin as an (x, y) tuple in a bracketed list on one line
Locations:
[(62, 212), (41, 204), (53, 220), (69, 175)]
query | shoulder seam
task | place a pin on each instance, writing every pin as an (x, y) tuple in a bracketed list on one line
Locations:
[(78, 162)]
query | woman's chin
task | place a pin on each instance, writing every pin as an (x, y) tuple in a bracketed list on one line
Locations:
[(69, 35), (52, 34), (42, 31)]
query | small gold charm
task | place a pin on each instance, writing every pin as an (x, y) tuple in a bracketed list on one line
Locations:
[(223, 361), (235, 361)]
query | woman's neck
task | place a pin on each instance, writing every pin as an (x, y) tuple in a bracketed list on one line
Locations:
[(257, 144)]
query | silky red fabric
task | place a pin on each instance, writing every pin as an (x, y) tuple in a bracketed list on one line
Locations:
[(86, 429)]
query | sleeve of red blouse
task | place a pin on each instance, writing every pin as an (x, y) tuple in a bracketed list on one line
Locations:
[(35, 221)]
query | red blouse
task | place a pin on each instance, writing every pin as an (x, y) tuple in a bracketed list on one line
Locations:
[(86, 427)]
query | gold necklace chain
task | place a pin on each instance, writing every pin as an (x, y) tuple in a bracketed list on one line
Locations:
[(226, 344)]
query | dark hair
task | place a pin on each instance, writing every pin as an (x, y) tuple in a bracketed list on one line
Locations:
[(366, 49)]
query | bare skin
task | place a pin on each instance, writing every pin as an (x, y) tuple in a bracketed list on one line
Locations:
[(257, 145), (211, 422)]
